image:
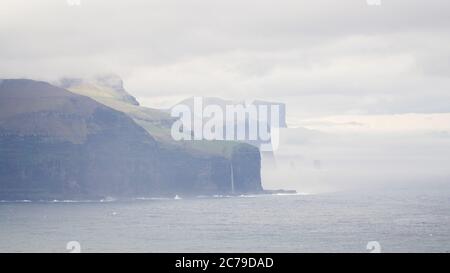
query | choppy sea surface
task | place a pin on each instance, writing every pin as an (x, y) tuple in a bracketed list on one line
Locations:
[(399, 222)]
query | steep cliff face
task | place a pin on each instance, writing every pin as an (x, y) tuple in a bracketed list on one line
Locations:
[(222, 154), (55, 144), (246, 166)]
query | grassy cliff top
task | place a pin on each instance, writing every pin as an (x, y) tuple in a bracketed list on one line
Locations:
[(156, 122)]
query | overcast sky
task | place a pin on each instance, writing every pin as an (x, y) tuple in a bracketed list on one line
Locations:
[(322, 57)]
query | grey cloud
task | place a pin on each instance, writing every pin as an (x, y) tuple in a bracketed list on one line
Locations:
[(324, 56)]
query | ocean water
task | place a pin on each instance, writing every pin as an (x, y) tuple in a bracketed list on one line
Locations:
[(399, 222)]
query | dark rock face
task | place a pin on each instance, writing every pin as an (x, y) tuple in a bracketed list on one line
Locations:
[(246, 161), (55, 144)]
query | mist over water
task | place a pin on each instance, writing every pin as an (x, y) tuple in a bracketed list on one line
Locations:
[(316, 161)]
